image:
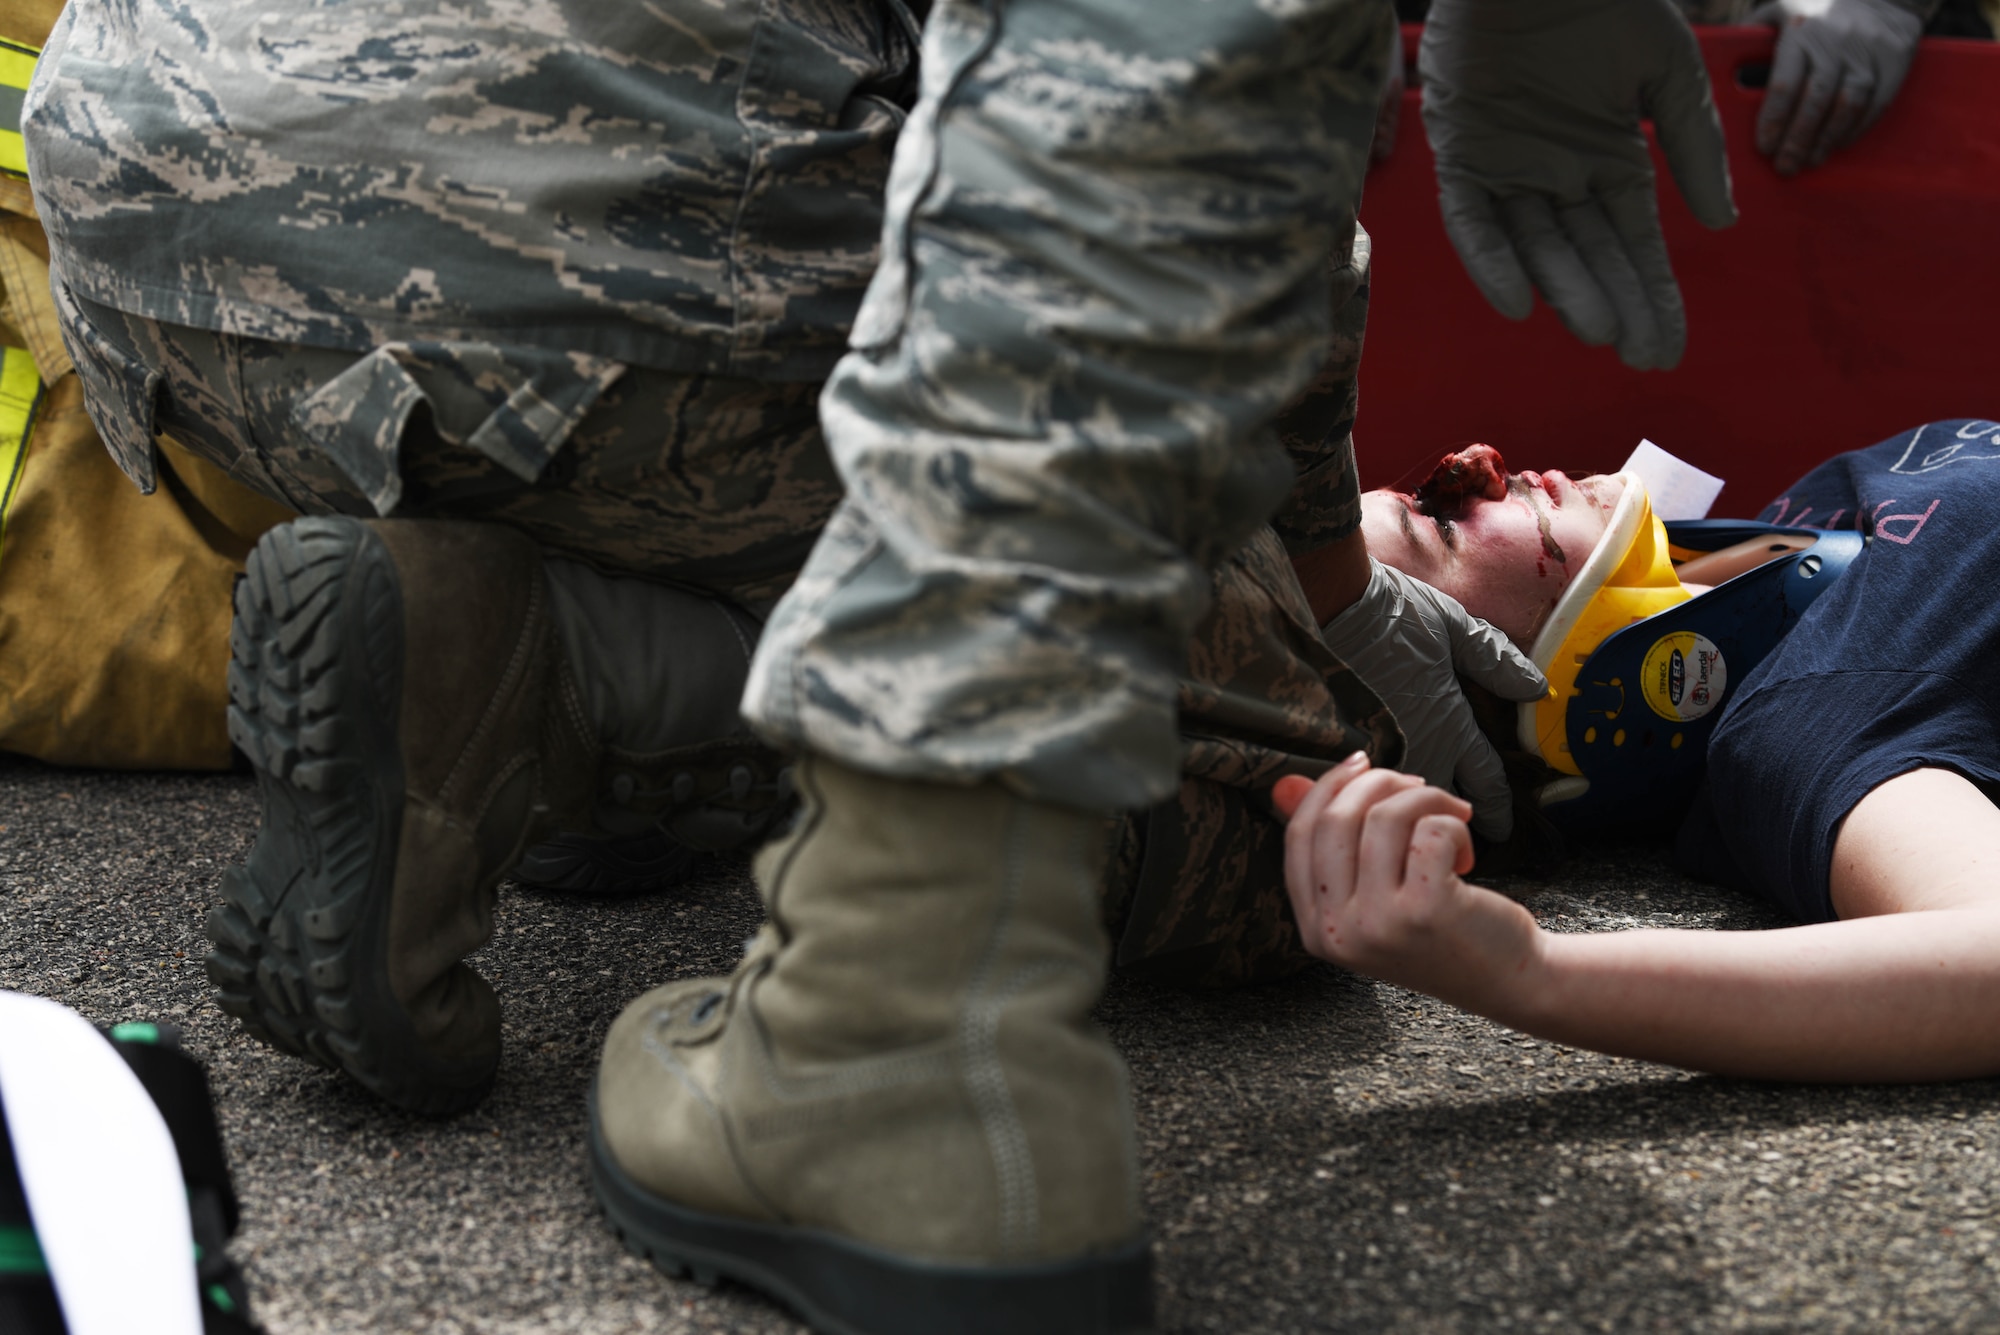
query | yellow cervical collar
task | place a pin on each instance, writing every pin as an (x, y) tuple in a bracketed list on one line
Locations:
[(1629, 577)]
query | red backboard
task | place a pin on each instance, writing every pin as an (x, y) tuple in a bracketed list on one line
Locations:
[(1848, 302)]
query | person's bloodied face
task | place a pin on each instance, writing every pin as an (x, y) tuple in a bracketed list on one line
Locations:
[(1504, 544)]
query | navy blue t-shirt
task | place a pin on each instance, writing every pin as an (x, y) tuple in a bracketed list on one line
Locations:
[(1894, 668)]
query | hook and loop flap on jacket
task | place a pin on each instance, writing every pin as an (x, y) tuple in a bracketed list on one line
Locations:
[(517, 406)]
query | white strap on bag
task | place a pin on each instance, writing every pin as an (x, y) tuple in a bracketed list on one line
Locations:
[(99, 1169)]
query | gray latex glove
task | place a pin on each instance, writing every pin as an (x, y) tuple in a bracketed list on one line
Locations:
[(1533, 109), (1411, 644), (1389, 112), (1838, 68)]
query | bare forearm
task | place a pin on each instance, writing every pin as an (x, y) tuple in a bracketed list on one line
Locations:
[(1334, 576), (1914, 996), (1905, 987)]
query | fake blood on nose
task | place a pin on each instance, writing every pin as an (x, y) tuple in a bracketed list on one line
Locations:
[(1476, 471)]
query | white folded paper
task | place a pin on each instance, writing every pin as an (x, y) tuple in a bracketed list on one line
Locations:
[(1677, 489)]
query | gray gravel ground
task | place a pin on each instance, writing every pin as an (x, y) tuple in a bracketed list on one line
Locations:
[(1323, 1154)]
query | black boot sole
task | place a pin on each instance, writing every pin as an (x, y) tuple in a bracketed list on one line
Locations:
[(846, 1288), (300, 941)]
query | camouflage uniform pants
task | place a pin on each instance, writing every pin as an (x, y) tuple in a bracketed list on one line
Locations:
[(713, 483), (1078, 553), (717, 484), (1104, 273)]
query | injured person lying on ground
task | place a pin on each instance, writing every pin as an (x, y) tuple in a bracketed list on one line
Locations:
[(1830, 663)]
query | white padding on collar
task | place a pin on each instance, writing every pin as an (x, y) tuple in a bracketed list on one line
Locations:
[(1611, 547)]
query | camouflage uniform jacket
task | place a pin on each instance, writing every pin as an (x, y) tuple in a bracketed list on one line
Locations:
[(691, 187)]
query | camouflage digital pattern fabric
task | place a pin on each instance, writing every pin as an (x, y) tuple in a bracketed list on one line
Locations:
[(692, 187), (1263, 696), (1105, 271), (1317, 427), (1196, 895), (557, 443), (1196, 892), (714, 483)]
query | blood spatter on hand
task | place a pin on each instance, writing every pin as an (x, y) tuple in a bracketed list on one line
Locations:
[(1475, 471)]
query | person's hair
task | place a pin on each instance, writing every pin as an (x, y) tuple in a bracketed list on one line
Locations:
[(1536, 845)]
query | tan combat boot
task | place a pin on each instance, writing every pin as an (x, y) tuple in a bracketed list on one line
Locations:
[(404, 691), (897, 1115)]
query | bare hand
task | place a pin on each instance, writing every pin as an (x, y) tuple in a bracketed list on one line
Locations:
[(1373, 861)]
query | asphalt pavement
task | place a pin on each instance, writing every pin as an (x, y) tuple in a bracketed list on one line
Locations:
[(1324, 1154)]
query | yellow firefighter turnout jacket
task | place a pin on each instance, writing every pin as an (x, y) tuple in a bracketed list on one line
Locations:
[(114, 606)]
